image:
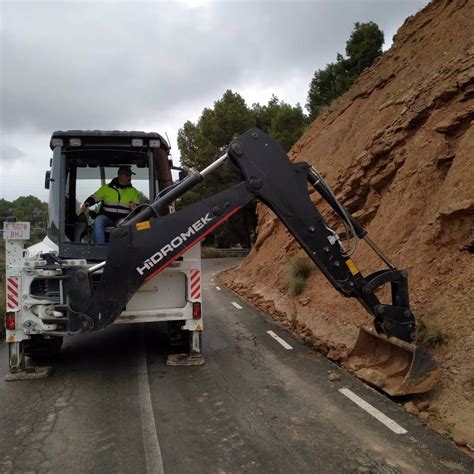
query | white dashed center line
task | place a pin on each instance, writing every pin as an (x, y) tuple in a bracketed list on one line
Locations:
[(388, 422), (218, 288), (236, 305), (280, 340)]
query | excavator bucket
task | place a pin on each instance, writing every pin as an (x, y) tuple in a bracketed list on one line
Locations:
[(395, 366)]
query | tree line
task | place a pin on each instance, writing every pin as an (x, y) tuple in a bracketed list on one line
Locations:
[(203, 142), (363, 47)]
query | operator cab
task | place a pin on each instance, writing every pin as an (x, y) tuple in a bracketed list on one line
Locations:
[(83, 161)]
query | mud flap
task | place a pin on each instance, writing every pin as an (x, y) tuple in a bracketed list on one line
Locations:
[(33, 373), (395, 366)]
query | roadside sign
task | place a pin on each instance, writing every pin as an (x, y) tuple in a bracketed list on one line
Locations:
[(16, 230)]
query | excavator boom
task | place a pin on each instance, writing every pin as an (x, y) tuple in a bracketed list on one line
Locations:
[(145, 243)]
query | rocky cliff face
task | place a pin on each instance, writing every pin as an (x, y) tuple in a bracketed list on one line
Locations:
[(398, 150)]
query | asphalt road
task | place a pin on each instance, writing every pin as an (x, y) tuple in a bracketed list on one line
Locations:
[(112, 405)]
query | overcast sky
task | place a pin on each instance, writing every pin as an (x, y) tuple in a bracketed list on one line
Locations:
[(153, 65)]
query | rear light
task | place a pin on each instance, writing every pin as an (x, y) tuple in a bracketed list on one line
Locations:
[(10, 321), (196, 310), (155, 143), (75, 142), (137, 142)]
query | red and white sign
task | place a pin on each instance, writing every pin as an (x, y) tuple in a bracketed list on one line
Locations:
[(196, 285), (13, 293)]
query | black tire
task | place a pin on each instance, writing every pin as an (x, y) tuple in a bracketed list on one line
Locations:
[(178, 338), (39, 347)]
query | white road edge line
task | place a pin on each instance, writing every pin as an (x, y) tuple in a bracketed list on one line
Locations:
[(388, 422), (153, 459), (236, 305), (218, 288), (280, 340)]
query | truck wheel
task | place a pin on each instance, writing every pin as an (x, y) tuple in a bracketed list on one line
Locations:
[(178, 338), (39, 347)]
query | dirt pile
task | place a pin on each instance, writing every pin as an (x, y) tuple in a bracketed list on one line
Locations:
[(397, 150)]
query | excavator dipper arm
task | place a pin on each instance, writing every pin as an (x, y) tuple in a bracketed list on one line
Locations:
[(145, 243)]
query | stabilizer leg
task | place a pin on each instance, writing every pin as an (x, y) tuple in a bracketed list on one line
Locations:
[(18, 368), (194, 355)]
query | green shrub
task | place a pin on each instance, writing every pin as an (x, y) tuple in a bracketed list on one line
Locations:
[(300, 266), (296, 285), (299, 270), (448, 433), (429, 337), (436, 338)]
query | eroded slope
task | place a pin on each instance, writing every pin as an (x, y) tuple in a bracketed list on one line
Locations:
[(398, 151)]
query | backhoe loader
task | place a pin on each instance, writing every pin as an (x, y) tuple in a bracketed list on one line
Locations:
[(74, 287)]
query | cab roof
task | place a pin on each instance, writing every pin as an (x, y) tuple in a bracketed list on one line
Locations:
[(108, 137)]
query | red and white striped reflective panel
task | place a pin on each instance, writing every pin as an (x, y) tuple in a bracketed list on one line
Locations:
[(13, 293), (196, 285)]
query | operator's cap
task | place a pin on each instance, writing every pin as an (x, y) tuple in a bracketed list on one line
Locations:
[(125, 170)]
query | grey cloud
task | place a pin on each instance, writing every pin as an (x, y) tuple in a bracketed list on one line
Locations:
[(9, 153), (109, 65)]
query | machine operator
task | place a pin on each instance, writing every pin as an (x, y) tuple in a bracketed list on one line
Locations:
[(118, 198)]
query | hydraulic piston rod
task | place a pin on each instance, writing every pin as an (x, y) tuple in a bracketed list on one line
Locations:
[(174, 193)]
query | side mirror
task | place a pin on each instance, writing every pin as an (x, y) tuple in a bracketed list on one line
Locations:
[(47, 179)]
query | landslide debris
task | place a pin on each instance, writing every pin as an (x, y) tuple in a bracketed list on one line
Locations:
[(398, 151)]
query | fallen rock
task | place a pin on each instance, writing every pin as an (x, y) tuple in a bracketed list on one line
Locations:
[(424, 416), (410, 407), (463, 438), (333, 377), (334, 355), (423, 405), (304, 301), (373, 376), (321, 347), (459, 437)]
